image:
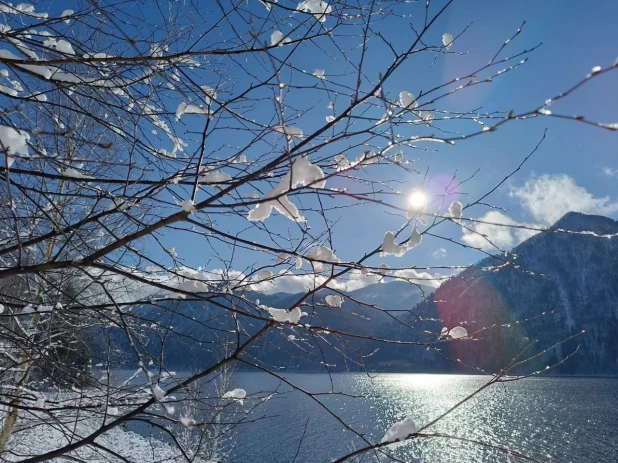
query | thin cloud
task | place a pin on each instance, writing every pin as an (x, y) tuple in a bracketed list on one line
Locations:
[(439, 253), (610, 172), (546, 199), (490, 237)]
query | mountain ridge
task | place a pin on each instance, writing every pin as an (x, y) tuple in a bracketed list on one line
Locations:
[(548, 288), (558, 283)]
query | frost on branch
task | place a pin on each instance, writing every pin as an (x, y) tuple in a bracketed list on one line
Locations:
[(302, 173), (342, 162), (447, 40), (276, 38), (283, 316), (13, 142), (67, 14), (188, 206), (389, 247), (74, 173), (426, 117), (458, 332), (334, 301), (60, 45), (318, 8), (415, 239), (185, 108), (289, 131), (319, 73), (236, 394), (384, 269), (158, 393), (455, 209), (321, 254), (400, 430), (214, 176), (407, 100), (187, 422)]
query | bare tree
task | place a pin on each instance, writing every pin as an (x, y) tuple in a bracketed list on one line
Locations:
[(134, 133)]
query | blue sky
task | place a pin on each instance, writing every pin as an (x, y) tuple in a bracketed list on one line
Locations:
[(576, 167)]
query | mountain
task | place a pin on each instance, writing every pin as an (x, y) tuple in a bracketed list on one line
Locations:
[(200, 330), (551, 287)]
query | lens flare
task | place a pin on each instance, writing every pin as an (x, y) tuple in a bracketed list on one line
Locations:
[(417, 200)]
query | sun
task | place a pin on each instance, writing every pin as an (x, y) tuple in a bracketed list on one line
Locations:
[(417, 200)]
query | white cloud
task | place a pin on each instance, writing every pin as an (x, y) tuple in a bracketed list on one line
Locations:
[(548, 197), (423, 278), (126, 290), (499, 231), (288, 282), (439, 253)]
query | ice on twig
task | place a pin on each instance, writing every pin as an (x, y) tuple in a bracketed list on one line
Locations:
[(322, 254), (185, 108), (188, 206), (389, 247), (458, 332), (236, 394), (447, 40), (276, 38), (400, 430), (334, 301), (318, 8), (187, 422), (342, 162), (302, 173), (455, 209), (289, 131), (157, 392), (12, 142), (74, 173), (384, 269), (283, 316), (407, 100)]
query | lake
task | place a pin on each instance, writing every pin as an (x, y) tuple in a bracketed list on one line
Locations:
[(567, 419)]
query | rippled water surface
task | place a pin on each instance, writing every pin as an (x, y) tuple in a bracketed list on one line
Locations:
[(567, 419)]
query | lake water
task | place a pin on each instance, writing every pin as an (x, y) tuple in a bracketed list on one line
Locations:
[(567, 419)]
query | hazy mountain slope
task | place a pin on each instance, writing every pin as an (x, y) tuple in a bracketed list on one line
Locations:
[(573, 275), (550, 287)]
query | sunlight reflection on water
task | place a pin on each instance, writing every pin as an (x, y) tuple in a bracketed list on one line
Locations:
[(569, 419)]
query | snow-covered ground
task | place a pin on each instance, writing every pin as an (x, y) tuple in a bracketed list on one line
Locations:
[(35, 440), (38, 432)]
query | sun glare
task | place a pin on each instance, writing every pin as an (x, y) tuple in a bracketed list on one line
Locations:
[(417, 200)]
